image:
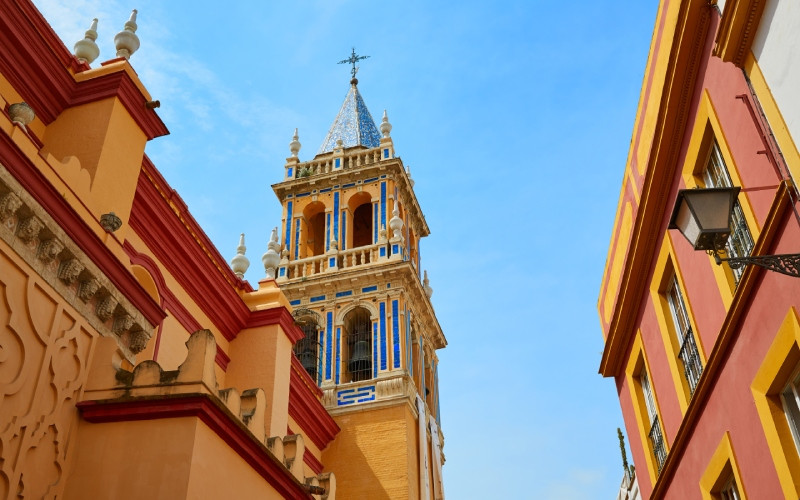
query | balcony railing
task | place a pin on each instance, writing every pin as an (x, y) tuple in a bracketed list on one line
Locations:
[(350, 160), (692, 367), (657, 440), (344, 259)]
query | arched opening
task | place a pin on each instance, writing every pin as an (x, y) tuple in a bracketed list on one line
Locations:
[(361, 208), (314, 218), (358, 357)]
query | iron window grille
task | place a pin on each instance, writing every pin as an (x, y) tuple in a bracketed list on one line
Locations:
[(307, 348), (687, 352), (730, 491), (655, 435), (740, 243), (358, 324), (790, 397)]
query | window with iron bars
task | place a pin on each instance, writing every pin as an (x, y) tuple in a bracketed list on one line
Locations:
[(790, 398), (740, 242), (730, 491), (307, 349), (687, 352), (655, 435)]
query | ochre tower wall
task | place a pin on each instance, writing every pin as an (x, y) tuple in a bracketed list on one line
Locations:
[(376, 454)]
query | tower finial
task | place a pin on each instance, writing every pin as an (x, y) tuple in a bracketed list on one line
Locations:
[(386, 127), (353, 59), (240, 263), (295, 145), (271, 259), (426, 285), (126, 40), (86, 50)]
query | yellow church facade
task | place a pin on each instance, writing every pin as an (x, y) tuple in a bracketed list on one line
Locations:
[(136, 362)]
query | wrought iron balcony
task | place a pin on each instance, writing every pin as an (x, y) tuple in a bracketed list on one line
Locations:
[(690, 357), (657, 441)]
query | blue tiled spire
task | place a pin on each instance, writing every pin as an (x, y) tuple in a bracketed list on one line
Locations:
[(353, 125)]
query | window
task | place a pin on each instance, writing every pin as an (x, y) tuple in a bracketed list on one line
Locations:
[(775, 388), (655, 434), (687, 353), (740, 242), (307, 349), (790, 398), (730, 491), (358, 359)]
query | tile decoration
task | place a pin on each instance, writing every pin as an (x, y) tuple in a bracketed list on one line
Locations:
[(395, 334), (383, 208), (336, 218), (317, 298), (344, 294), (375, 223), (294, 302), (374, 350), (338, 352), (354, 396), (383, 334), (319, 358), (288, 223), (327, 232), (297, 238), (328, 344), (343, 244), (408, 340), (369, 289), (353, 125)]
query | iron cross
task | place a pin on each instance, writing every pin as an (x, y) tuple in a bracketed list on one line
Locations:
[(353, 59)]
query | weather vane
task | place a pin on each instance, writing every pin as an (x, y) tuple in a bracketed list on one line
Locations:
[(353, 59)]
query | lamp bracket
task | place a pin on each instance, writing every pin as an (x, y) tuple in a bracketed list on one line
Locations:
[(788, 264)]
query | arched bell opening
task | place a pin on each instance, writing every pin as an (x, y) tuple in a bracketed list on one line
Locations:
[(358, 356)]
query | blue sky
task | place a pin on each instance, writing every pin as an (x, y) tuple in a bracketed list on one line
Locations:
[(515, 119)]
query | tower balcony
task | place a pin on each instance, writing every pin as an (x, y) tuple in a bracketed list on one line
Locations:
[(338, 260), (338, 160)]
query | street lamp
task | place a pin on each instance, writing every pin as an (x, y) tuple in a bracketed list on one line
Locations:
[(703, 216)]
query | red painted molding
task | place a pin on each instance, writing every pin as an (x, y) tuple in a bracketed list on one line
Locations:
[(276, 315), (168, 300), (119, 84), (215, 416), (312, 462), (306, 409), (161, 219), (32, 180), (38, 66)]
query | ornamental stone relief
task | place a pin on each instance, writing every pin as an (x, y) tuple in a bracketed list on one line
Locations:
[(42, 244), (45, 346)]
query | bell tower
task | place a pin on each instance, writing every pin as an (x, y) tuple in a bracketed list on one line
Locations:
[(348, 260)]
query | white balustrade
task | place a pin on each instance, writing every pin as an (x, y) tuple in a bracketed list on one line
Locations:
[(345, 259)]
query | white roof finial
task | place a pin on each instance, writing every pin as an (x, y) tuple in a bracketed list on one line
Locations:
[(271, 259), (126, 40), (86, 50), (240, 263), (295, 145), (396, 223), (386, 127), (427, 286)]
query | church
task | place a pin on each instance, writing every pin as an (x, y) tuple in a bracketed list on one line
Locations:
[(136, 361)]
